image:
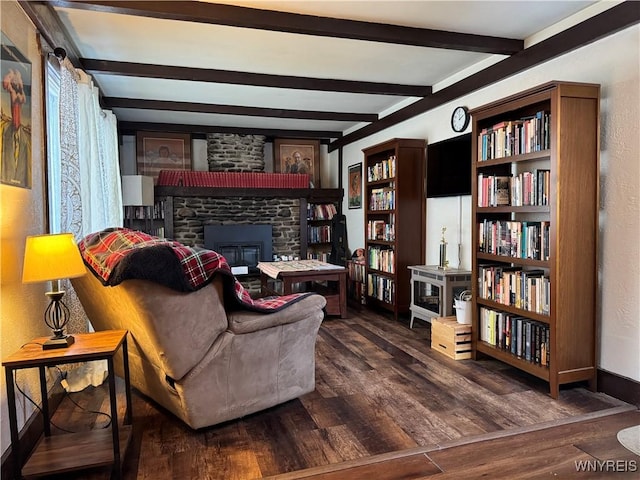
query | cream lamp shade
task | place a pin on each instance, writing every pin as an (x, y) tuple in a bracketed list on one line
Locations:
[(137, 191), (51, 257)]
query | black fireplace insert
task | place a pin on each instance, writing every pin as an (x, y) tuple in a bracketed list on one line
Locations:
[(243, 246)]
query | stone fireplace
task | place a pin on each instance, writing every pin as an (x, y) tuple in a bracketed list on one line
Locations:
[(188, 210), (192, 214), (238, 153)]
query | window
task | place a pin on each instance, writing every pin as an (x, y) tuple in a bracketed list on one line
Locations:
[(54, 163)]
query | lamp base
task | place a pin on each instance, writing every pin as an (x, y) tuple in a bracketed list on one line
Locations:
[(58, 342)]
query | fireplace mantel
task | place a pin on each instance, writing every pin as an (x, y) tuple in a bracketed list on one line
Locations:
[(311, 194)]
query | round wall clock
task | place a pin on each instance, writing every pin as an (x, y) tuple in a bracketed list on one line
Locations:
[(460, 119)]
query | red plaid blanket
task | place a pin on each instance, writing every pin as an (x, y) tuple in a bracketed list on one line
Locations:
[(118, 254)]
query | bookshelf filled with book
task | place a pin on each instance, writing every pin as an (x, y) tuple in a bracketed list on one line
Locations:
[(394, 221), (146, 219), (536, 165), (322, 226), (320, 233)]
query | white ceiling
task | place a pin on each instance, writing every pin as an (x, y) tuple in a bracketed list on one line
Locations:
[(129, 38)]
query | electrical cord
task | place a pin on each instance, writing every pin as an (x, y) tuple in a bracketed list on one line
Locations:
[(15, 381), (67, 394), (96, 412)]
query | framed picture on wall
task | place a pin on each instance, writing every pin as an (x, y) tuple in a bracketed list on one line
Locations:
[(15, 126), (298, 156), (355, 186), (162, 151)]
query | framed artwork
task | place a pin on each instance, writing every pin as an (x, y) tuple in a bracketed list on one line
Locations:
[(298, 156), (162, 151), (15, 122), (355, 186)]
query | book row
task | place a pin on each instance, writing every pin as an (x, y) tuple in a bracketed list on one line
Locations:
[(382, 170), (381, 230), (321, 211), (356, 271), (382, 259), (155, 212), (319, 233), (382, 199), (515, 239), (196, 178), (523, 189), (514, 286), (322, 256), (520, 336), (515, 137), (380, 287)]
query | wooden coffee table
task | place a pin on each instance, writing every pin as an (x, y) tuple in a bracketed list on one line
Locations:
[(333, 278)]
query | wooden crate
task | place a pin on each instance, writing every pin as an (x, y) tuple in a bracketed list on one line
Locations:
[(451, 338)]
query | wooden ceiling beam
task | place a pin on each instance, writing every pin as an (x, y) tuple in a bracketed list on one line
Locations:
[(129, 128), (231, 15), (599, 26), (192, 74), (50, 27), (173, 106)]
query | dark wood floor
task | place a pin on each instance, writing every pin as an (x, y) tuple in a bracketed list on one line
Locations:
[(582, 447), (381, 393)]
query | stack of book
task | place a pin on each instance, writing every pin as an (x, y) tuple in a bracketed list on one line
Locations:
[(515, 239), (516, 137), (321, 211), (514, 286), (523, 337), (382, 170)]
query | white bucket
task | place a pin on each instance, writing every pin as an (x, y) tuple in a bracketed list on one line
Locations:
[(463, 311)]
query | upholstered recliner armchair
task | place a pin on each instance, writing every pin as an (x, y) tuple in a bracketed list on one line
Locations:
[(206, 363)]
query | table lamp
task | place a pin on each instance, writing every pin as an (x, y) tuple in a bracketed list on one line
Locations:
[(51, 258)]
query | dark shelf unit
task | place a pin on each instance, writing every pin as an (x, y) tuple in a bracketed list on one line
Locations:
[(320, 233), (404, 182), (306, 195), (146, 219)]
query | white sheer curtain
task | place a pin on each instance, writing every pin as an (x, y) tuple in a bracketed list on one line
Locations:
[(71, 205), (89, 186), (100, 184)]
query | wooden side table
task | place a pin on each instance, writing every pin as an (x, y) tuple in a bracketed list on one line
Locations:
[(92, 448)]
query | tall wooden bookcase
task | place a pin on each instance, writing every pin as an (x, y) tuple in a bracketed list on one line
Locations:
[(394, 220), (535, 208)]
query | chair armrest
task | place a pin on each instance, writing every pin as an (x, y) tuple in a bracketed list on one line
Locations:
[(246, 322)]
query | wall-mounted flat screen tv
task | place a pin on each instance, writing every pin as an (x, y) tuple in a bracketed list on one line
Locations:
[(449, 167)]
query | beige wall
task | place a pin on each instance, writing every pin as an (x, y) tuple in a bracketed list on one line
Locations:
[(22, 213), (617, 70)]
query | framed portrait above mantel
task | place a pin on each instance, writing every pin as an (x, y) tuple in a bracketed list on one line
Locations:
[(162, 151), (297, 156)]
